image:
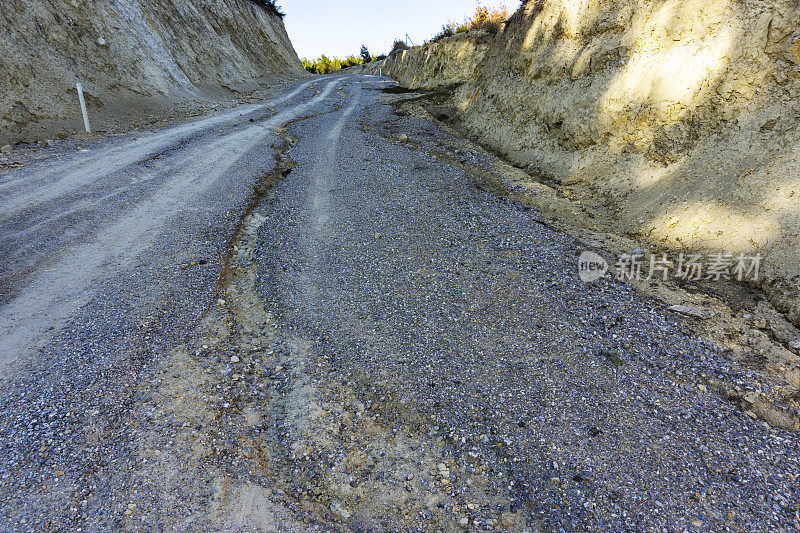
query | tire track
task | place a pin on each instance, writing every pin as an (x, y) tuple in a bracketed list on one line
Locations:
[(56, 292)]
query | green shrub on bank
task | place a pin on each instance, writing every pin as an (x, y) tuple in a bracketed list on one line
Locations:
[(483, 19), (399, 45), (270, 6), (326, 65)]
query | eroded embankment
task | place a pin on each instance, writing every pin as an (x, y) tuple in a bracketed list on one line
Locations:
[(679, 120), (733, 317), (133, 57)]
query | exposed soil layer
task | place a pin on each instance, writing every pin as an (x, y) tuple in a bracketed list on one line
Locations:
[(678, 119), (136, 59)]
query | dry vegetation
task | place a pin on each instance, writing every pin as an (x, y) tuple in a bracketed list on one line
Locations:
[(484, 18)]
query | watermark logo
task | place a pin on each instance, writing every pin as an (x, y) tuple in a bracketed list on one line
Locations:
[(591, 267), (688, 267)]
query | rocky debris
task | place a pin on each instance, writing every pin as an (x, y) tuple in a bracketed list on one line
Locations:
[(340, 510), (795, 344), (89, 404), (613, 357), (509, 519), (465, 156), (695, 312), (444, 114), (448, 370), (6, 150)]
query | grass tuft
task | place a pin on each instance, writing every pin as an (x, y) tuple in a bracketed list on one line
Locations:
[(271, 7)]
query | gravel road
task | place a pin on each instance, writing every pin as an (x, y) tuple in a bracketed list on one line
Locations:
[(110, 255), (586, 401), (69, 223), (385, 345)]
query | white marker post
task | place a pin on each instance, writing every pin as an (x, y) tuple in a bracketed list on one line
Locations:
[(79, 86)]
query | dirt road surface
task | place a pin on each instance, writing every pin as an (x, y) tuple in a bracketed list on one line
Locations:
[(300, 315)]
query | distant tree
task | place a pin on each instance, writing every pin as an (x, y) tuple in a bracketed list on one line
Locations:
[(399, 45), (487, 19), (350, 61), (365, 54), (326, 65)]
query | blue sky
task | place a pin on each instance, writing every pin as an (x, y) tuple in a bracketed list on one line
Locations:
[(339, 28)]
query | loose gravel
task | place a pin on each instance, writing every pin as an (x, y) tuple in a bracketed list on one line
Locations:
[(587, 402), (391, 346), (71, 403)]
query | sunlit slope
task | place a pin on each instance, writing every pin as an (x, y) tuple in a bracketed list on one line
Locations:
[(681, 116)]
